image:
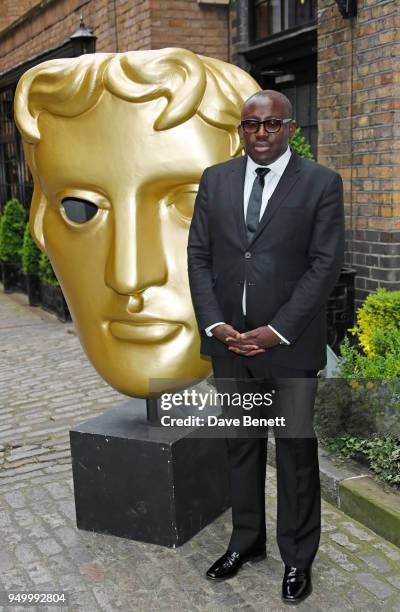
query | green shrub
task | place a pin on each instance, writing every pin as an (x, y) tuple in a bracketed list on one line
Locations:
[(12, 231), (46, 272), (383, 360), (369, 425), (30, 253), (381, 454), (299, 145), (380, 310)]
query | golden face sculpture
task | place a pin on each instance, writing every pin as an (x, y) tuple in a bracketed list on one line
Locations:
[(116, 144)]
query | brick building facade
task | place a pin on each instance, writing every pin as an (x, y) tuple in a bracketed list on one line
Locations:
[(352, 61), (339, 72), (358, 109), (120, 25)]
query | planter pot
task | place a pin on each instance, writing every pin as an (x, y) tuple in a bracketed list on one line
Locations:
[(12, 277), (340, 308), (53, 300), (33, 288)]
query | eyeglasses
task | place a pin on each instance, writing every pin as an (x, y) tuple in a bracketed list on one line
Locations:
[(251, 126)]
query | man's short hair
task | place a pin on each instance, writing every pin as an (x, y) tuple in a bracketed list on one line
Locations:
[(272, 93)]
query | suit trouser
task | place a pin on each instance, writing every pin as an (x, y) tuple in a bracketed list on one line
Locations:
[(298, 484)]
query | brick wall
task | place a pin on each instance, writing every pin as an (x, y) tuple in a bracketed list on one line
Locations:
[(122, 25), (202, 28), (58, 19), (10, 10), (357, 116)]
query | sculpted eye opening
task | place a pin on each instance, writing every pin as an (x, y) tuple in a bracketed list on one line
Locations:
[(78, 210), (183, 203)]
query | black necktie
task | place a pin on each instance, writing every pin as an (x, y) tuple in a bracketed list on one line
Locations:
[(254, 205)]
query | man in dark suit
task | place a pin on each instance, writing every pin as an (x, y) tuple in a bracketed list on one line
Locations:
[(264, 252)]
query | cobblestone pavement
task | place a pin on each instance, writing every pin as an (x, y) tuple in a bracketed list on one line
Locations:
[(47, 385)]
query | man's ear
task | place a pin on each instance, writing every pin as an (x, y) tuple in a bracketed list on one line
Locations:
[(38, 208)]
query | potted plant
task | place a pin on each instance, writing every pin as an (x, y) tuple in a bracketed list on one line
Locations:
[(51, 295), (30, 267), (299, 145), (11, 239)]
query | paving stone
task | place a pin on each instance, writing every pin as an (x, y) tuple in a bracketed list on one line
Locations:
[(379, 588), (339, 557), (15, 500), (67, 507), (325, 526), (361, 600), (395, 580), (14, 579), (67, 535), (25, 553), (6, 561), (39, 573), (48, 547), (357, 531), (389, 549), (325, 573), (376, 561), (41, 547), (5, 519), (343, 540)]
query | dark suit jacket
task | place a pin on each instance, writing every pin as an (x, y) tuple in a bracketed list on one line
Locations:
[(290, 266)]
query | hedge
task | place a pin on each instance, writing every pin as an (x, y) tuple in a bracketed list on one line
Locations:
[(46, 272), (12, 231), (30, 253)]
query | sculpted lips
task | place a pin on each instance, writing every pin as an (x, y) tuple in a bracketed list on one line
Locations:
[(143, 332)]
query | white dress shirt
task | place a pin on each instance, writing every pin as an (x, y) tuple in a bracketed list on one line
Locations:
[(270, 182)]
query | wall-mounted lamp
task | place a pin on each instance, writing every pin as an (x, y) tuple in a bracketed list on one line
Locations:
[(83, 40)]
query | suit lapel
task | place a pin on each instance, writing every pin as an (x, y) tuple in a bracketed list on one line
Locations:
[(286, 183), (236, 185)]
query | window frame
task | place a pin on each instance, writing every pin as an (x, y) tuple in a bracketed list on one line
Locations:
[(252, 8)]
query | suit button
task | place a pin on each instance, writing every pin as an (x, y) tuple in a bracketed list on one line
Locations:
[(247, 255)]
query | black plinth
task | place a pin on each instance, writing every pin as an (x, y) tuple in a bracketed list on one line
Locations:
[(145, 482)]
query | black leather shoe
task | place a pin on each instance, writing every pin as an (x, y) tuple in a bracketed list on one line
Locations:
[(230, 563), (296, 585)]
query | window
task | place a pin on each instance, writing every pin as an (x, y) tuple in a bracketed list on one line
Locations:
[(268, 18), (272, 16), (15, 179)]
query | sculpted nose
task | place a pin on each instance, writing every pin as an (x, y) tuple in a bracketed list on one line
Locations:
[(136, 259)]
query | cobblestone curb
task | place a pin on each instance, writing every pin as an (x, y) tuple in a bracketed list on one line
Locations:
[(363, 499)]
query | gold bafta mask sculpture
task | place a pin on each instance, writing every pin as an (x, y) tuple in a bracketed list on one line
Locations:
[(116, 144)]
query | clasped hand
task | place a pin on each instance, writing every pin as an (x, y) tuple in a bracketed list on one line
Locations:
[(249, 343)]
